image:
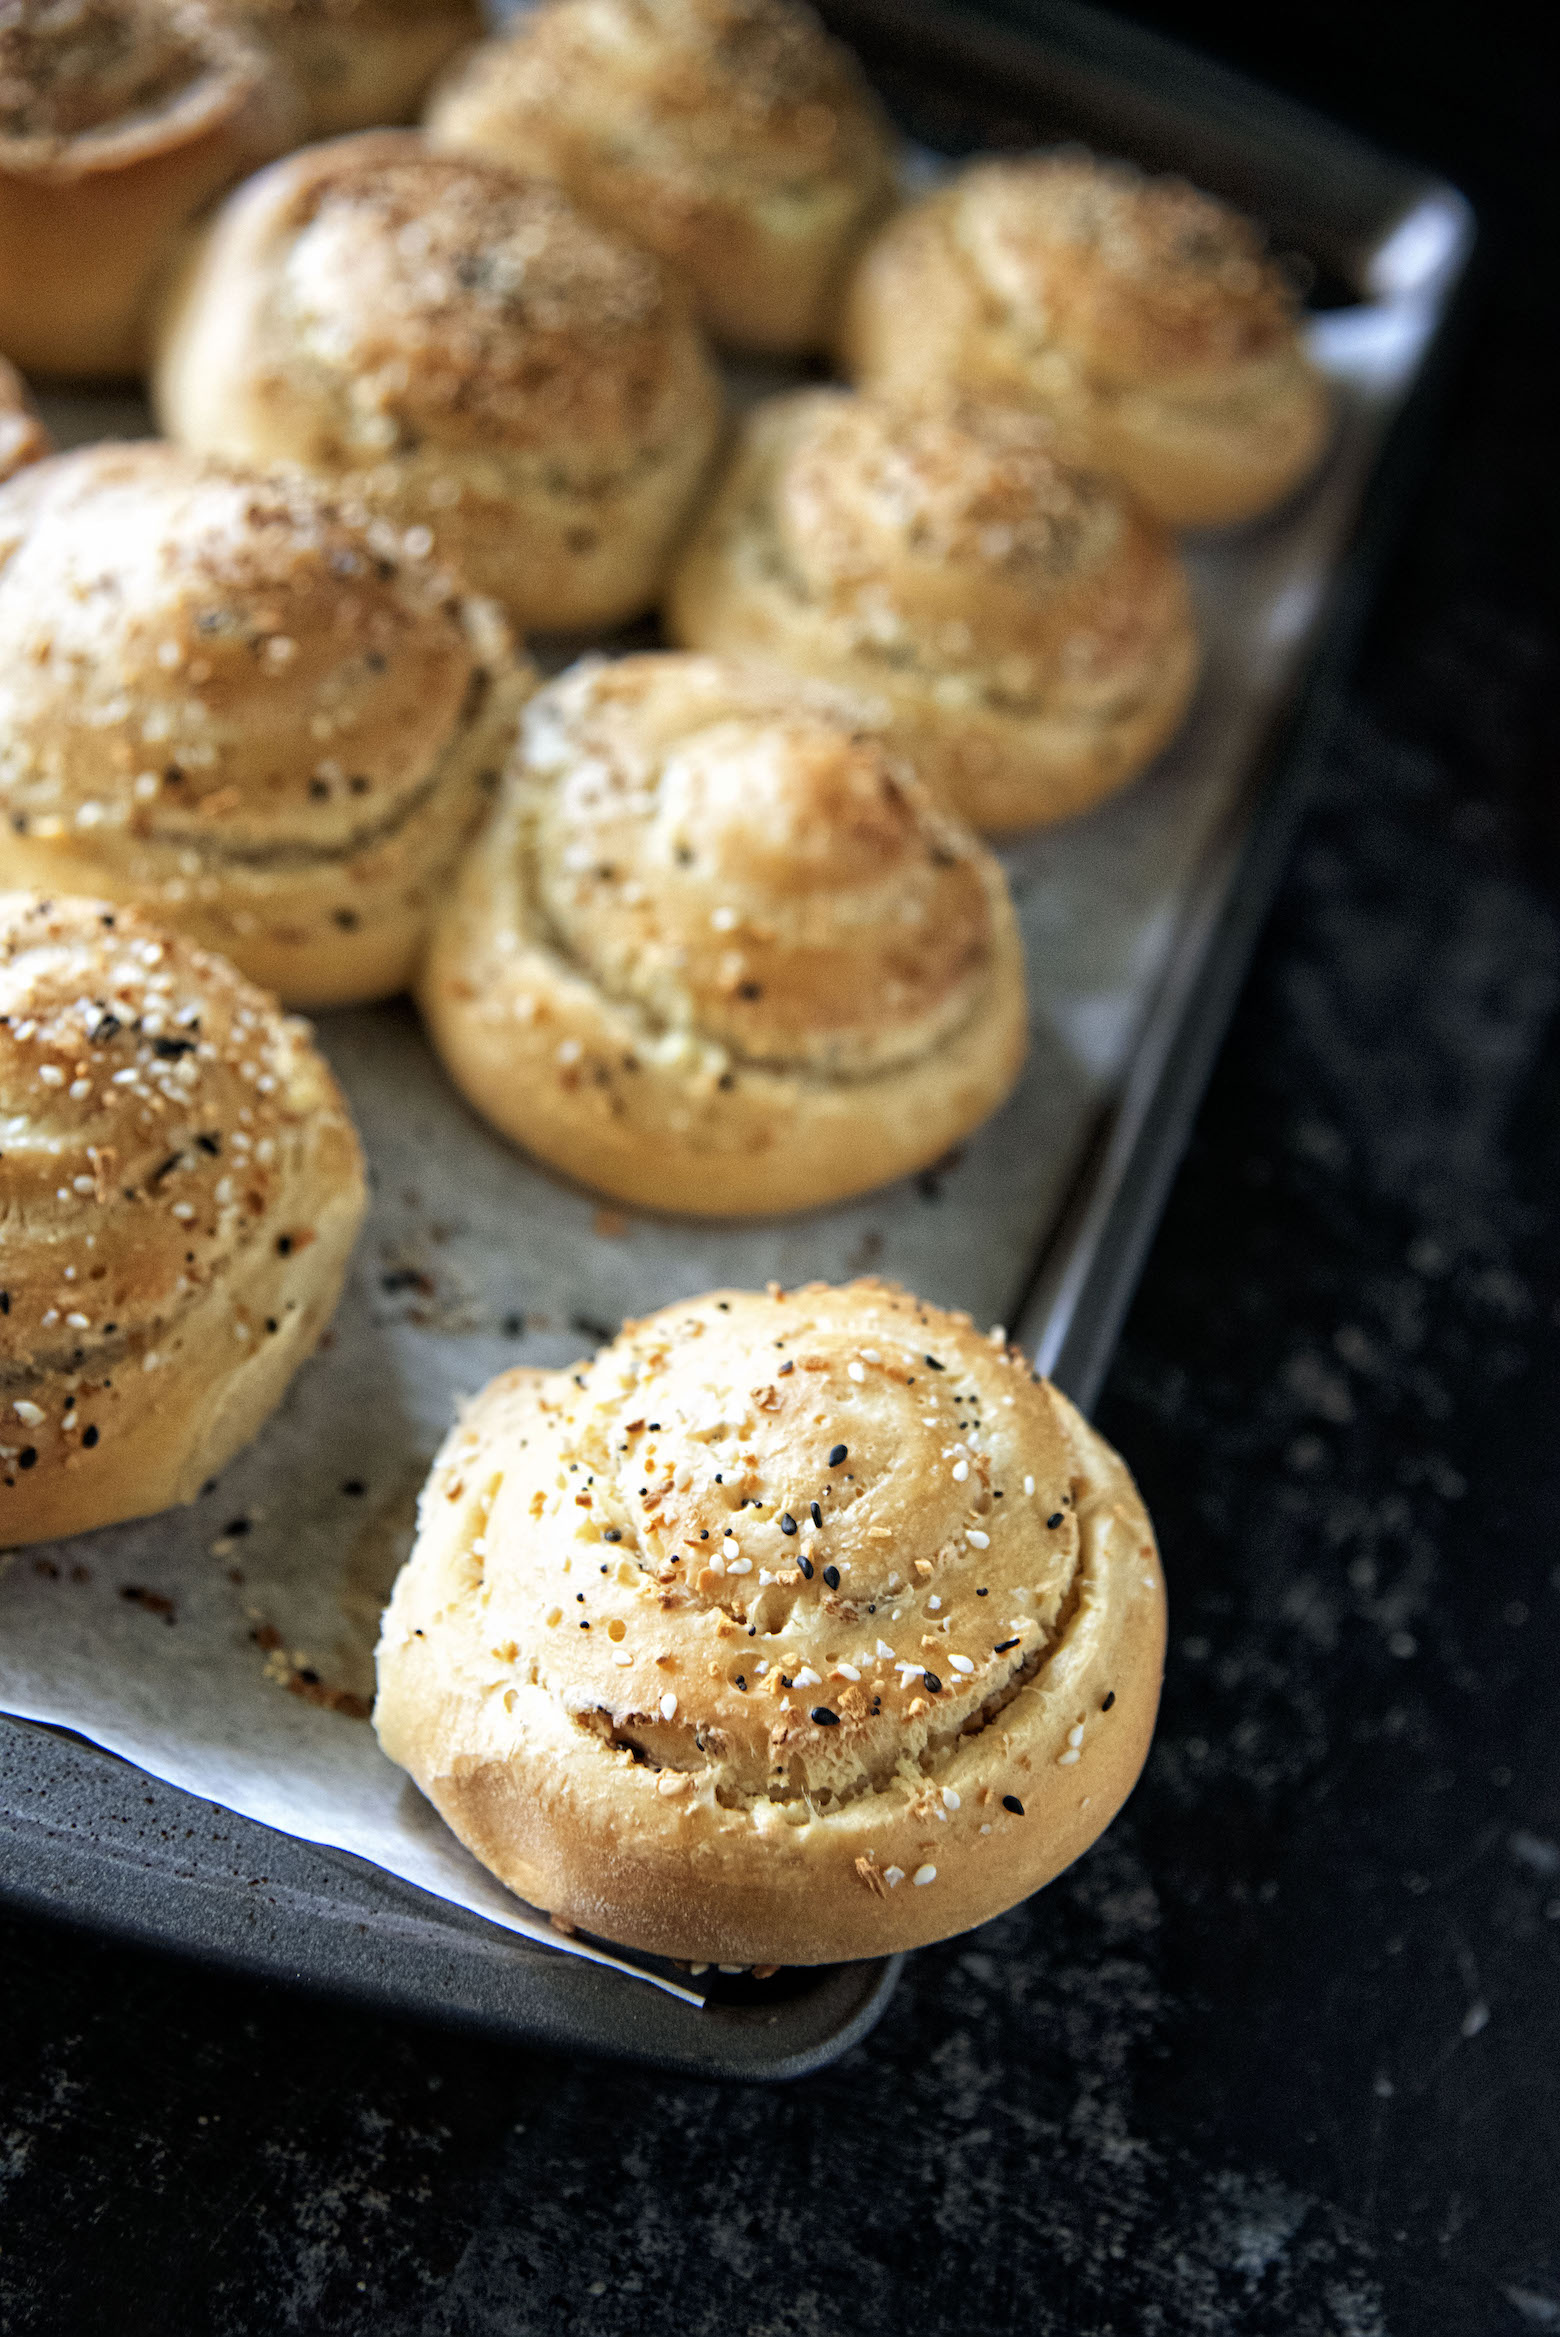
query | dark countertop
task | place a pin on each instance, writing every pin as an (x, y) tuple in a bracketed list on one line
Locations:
[(1283, 2053)]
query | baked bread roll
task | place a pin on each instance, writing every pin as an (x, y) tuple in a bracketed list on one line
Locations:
[(467, 351), (357, 63), (23, 438), (1142, 316), (791, 1629), (182, 1188), (1028, 629), (119, 121), (731, 136), (232, 700), (718, 952)]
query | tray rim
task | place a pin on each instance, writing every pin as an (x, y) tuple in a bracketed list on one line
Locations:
[(84, 1885)]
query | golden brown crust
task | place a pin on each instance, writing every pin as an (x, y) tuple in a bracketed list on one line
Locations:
[(654, 1709), (1028, 630), (717, 952), (182, 1186), (119, 121), (1142, 317), (733, 137), (468, 351), (359, 63), (23, 439), (243, 704)]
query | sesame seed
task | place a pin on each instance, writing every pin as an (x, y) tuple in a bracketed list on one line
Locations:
[(1003, 1645), (1075, 1735), (831, 1575), (976, 1539), (1066, 1760), (933, 1682), (1010, 1801), (846, 1671), (817, 1513), (840, 1453), (807, 1678), (961, 1663), (854, 1371), (787, 1522), (924, 1875), (961, 1470), (730, 1548), (1029, 1486), (805, 1563), (824, 1717), (1053, 1522), (950, 1798), (30, 1415), (1109, 1701)]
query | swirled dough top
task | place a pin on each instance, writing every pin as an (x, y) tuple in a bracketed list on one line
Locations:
[(86, 71), (1145, 281), (958, 518), (209, 658), (429, 293), (745, 858), (152, 1108)]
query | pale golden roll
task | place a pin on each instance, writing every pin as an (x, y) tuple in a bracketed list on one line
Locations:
[(468, 352), (181, 1186), (119, 121), (718, 951), (733, 137), (1027, 628), (233, 699), (789, 1630), (358, 63), (23, 439), (1143, 317)]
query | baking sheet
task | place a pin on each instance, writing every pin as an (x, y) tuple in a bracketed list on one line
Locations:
[(228, 1649)]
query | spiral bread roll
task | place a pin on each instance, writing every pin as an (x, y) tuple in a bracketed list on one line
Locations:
[(1144, 318), (791, 1629), (733, 137), (233, 700), (182, 1187), (357, 63), (1028, 629), (23, 438), (119, 121), (718, 951), (468, 352)]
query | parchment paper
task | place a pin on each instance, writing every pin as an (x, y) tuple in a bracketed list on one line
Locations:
[(227, 1649)]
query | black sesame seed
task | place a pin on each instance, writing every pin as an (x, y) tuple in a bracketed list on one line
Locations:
[(741, 1683), (1053, 1522), (1010, 1801), (236, 1525), (89, 1437), (171, 1049), (981, 1593), (787, 1522), (354, 1488), (831, 1575), (784, 1682), (817, 1513), (211, 1145), (610, 1534), (5, 1302), (936, 1366), (284, 1245), (784, 1368), (1109, 1701), (27, 1457), (806, 1565), (841, 1452), (824, 1717), (933, 1682), (584, 1626), (1003, 1645)]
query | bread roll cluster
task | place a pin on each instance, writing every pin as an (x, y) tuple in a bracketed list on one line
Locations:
[(791, 1627)]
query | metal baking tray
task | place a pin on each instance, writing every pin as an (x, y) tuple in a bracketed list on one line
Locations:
[(96, 1840)]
